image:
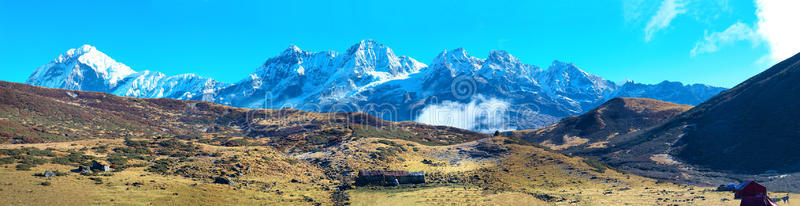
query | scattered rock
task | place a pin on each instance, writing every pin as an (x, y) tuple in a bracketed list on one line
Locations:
[(224, 180), (49, 174)]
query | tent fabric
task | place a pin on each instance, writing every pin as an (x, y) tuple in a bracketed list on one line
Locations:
[(750, 188), (757, 201)]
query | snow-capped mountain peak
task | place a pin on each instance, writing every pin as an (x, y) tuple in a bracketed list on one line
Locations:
[(370, 73), (87, 68), (100, 62), (500, 63), (501, 56), (567, 82), (456, 61), (375, 59), (79, 67), (292, 49)]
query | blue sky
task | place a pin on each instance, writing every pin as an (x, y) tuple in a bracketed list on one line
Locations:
[(715, 42)]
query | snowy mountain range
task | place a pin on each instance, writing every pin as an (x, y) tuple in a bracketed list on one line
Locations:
[(456, 89), (88, 69)]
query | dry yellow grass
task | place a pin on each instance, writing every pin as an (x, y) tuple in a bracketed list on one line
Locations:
[(22, 188), (440, 196), (524, 175), (269, 167)]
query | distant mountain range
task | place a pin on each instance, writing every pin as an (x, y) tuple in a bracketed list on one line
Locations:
[(456, 89), (749, 132), (749, 129)]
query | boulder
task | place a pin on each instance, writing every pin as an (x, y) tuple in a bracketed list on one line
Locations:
[(224, 180), (49, 174)]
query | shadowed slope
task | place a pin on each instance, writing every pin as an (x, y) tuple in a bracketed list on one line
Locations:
[(597, 127)]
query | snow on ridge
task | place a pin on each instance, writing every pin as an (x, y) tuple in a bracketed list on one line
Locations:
[(367, 72)]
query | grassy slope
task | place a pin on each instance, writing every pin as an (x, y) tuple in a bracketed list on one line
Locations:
[(598, 127), (524, 174), (319, 151)]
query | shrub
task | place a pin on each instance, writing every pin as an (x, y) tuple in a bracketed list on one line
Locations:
[(6, 160), (37, 152), (101, 149), (236, 143), (136, 144), (59, 173), (15, 153), (383, 153), (598, 166), (25, 167), (97, 180), (388, 142), (46, 183), (161, 166), (134, 152), (29, 162), (117, 161), (74, 158)]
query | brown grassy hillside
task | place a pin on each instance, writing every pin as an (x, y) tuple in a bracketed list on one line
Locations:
[(748, 132), (30, 114), (594, 129), (170, 152)]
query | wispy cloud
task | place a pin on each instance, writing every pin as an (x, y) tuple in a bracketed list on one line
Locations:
[(714, 41), (632, 10), (668, 10), (776, 26), (777, 23)]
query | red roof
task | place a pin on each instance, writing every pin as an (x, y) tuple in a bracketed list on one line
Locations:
[(750, 188), (382, 173)]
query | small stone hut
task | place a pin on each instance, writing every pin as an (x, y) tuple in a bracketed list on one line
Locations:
[(389, 178), (98, 166)]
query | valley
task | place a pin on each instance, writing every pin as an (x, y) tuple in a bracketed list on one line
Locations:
[(185, 152), (340, 103)]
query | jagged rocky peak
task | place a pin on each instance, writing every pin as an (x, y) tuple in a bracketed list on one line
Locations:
[(502, 56), (453, 56), (367, 72), (456, 61), (369, 56), (75, 52), (563, 71), (292, 49), (290, 55), (564, 67), (365, 45), (501, 63), (98, 61), (83, 68), (369, 63), (369, 50)]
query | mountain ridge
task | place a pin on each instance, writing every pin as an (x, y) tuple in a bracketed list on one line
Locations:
[(369, 73), (600, 126), (745, 133)]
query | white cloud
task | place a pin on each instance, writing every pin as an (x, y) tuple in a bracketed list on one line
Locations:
[(778, 25), (668, 10), (736, 32), (479, 114), (632, 9)]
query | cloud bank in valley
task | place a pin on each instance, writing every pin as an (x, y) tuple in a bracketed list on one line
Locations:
[(480, 114)]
